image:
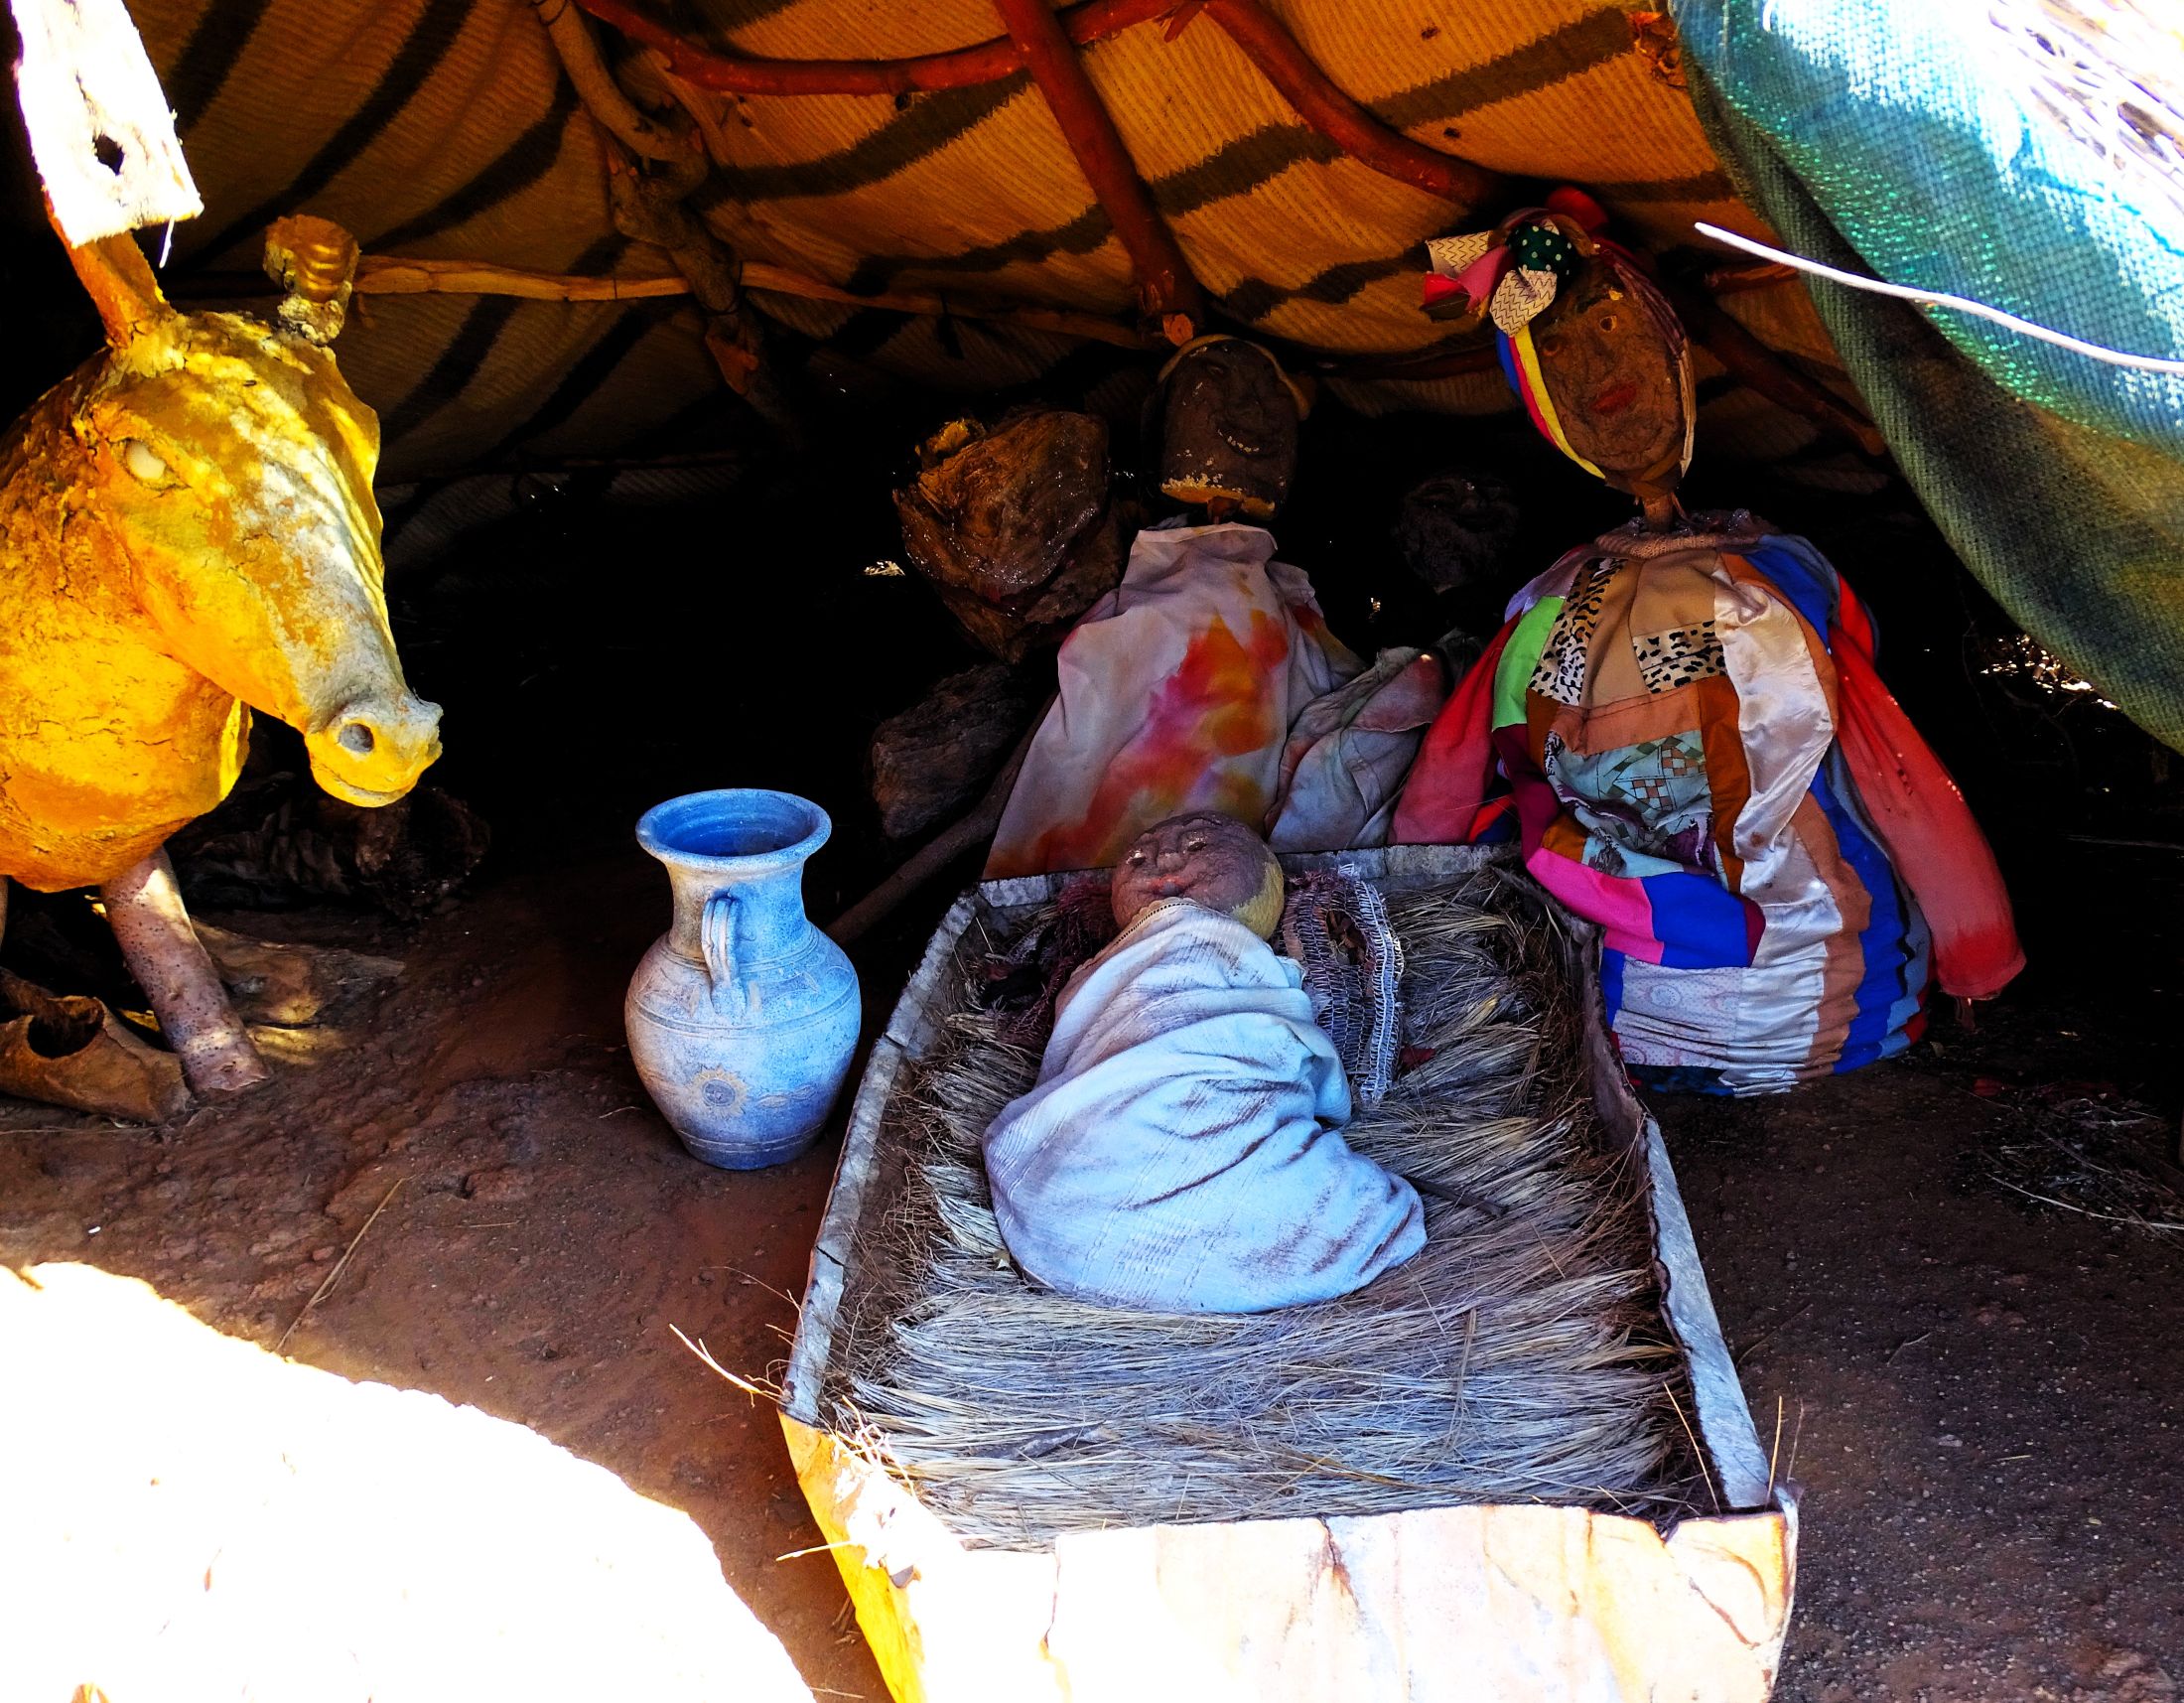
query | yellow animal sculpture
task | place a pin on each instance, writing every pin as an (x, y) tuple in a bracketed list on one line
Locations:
[(187, 534)]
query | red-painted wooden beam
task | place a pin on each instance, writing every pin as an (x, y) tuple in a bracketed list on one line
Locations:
[(964, 67), (1262, 39), (1349, 127), (1165, 288)]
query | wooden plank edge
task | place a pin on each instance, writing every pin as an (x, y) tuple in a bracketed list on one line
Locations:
[(1111, 1614), (907, 1033), (1723, 1420), (946, 1623)]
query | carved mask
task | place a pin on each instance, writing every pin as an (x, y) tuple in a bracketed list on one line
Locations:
[(1228, 427), (1617, 378), (1591, 348)]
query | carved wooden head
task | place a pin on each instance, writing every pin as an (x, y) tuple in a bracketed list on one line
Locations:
[(1591, 348), (1617, 377), (1228, 428)]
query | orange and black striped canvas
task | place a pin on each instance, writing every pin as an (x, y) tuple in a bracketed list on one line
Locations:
[(445, 128)]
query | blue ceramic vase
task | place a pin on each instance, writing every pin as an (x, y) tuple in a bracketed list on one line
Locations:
[(743, 1016)]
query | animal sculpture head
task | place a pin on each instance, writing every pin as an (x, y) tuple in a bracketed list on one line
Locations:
[(1207, 858), (233, 466)]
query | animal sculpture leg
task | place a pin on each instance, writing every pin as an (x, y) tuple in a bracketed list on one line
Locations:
[(163, 951)]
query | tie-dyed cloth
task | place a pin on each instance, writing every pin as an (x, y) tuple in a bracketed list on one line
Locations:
[(1177, 692), (1701, 760)]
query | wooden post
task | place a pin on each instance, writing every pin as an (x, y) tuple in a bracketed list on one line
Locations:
[(144, 909), (596, 89), (1754, 362), (1165, 288), (944, 848)]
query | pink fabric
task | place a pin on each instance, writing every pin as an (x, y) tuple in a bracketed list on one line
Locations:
[(1619, 906), (1478, 279), (1177, 691)]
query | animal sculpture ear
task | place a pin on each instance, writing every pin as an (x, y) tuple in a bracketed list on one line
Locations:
[(119, 281)]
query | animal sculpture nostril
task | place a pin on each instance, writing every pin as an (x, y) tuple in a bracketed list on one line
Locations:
[(357, 739)]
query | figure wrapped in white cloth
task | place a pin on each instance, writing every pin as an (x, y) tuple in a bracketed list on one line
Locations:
[(1180, 1150)]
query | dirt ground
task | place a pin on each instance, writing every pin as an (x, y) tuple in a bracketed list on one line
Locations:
[(1977, 1393), (547, 1232)]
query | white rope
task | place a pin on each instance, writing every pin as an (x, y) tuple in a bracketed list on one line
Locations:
[(1941, 299)]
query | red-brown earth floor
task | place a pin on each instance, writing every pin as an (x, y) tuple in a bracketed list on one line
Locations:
[(1980, 1393)]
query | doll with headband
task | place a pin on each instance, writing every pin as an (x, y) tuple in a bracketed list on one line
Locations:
[(1587, 342), (1683, 723)]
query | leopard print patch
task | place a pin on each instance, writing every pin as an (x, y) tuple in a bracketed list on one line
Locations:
[(1560, 674), (1676, 657)]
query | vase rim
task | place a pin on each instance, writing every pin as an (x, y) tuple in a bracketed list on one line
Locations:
[(725, 807)]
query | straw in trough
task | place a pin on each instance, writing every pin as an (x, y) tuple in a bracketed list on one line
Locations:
[(1520, 1356)]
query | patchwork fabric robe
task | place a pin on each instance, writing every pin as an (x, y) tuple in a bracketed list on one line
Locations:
[(1700, 758)]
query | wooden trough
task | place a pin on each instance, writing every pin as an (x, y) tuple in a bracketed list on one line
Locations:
[(1511, 1602)]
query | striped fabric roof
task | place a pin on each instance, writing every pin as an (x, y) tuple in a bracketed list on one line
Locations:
[(446, 129)]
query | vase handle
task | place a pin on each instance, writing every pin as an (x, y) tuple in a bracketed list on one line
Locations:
[(717, 938)]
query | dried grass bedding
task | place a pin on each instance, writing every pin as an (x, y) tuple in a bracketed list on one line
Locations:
[(1522, 1356)]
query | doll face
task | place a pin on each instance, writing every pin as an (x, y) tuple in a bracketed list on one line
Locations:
[(1229, 430), (1614, 380), (1208, 859)]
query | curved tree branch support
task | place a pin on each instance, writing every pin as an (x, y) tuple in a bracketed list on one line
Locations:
[(1167, 290), (1042, 40), (1344, 121), (647, 207), (602, 96), (961, 68), (1263, 40)]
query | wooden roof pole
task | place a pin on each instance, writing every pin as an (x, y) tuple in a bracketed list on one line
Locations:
[(1166, 289), (1342, 120), (1261, 36), (1163, 278), (960, 67), (596, 86), (400, 275)]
